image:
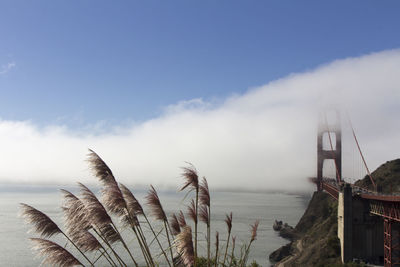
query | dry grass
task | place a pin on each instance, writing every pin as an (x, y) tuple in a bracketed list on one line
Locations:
[(41, 223), (184, 246), (90, 229), (54, 254)]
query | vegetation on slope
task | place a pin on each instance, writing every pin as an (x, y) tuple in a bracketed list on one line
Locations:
[(387, 177), (317, 229), (317, 243)]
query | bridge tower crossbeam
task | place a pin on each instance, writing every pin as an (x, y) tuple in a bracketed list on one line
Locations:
[(335, 153)]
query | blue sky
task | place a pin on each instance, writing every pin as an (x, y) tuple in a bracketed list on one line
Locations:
[(233, 87), (80, 62)]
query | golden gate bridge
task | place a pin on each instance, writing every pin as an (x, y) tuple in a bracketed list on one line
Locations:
[(362, 213)]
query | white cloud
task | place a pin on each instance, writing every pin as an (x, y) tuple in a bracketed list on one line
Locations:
[(263, 139), (7, 67)]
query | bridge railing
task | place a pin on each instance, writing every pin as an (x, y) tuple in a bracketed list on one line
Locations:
[(332, 187)]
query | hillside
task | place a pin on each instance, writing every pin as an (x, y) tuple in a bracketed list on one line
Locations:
[(387, 176), (316, 242)]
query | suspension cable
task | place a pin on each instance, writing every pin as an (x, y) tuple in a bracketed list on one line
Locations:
[(359, 149)]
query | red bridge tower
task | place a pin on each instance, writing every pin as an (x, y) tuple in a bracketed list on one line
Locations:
[(335, 151)]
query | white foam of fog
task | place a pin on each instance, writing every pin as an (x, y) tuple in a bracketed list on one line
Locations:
[(263, 139)]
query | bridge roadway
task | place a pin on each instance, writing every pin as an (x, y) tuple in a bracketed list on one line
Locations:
[(387, 206), (383, 205)]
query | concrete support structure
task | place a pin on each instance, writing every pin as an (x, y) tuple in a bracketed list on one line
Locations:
[(345, 223), (367, 232), (359, 232)]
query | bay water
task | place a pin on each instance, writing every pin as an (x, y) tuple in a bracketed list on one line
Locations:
[(247, 207)]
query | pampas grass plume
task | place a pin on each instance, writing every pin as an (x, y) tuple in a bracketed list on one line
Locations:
[(54, 254), (41, 223)]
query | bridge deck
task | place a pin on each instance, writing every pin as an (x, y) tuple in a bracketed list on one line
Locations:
[(386, 206), (333, 188)]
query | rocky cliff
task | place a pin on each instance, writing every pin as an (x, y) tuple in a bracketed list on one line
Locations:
[(316, 242)]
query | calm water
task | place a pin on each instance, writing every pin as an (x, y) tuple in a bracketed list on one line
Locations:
[(246, 207)]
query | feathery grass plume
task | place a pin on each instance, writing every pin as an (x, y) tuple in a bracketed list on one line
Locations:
[(233, 250), (204, 216), (181, 219), (54, 254), (133, 207), (253, 231), (86, 241), (184, 245), (77, 224), (128, 210), (136, 206), (113, 199), (204, 193), (134, 210), (254, 228), (205, 213), (154, 203), (228, 221), (69, 198), (81, 215), (216, 248), (111, 193), (100, 168), (75, 217), (192, 179), (41, 223), (109, 233), (97, 214), (192, 213), (173, 221), (158, 212), (132, 203)]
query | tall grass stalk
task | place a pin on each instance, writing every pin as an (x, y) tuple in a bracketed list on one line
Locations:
[(90, 228), (45, 226), (105, 242), (104, 253), (192, 179), (134, 209), (125, 245), (233, 250), (158, 241), (100, 217), (253, 230), (158, 212), (77, 226), (119, 259), (206, 214), (184, 245), (228, 221), (216, 248), (114, 199)]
